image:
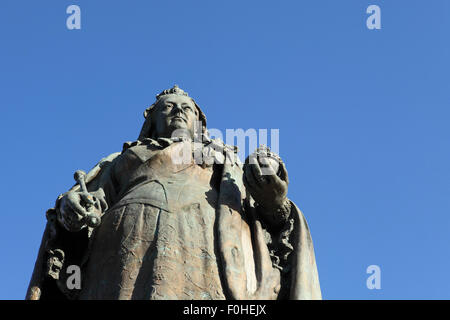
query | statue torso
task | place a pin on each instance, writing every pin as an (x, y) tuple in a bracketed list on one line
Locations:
[(148, 175), (157, 241)]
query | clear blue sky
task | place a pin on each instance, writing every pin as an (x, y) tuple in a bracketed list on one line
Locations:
[(363, 117)]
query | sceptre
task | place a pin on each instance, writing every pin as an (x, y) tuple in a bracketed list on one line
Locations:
[(91, 219)]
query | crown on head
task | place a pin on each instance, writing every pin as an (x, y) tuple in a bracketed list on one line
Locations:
[(175, 90)]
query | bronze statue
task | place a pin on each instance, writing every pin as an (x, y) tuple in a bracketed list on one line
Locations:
[(143, 226)]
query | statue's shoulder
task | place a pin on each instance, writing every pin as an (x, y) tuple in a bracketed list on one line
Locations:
[(99, 167)]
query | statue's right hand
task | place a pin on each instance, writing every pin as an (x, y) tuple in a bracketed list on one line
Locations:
[(73, 210)]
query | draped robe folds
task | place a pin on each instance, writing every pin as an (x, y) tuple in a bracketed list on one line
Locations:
[(178, 231)]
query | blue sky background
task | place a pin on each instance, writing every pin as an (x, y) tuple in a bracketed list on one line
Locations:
[(363, 117)]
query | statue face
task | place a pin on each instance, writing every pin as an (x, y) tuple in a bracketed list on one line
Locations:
[(174, 112)]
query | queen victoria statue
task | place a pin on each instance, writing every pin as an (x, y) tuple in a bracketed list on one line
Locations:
[(176, 215)]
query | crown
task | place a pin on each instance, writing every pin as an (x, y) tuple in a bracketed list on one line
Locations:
[(175, 90)]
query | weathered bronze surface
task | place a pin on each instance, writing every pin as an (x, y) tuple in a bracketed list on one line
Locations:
[(143, 226)]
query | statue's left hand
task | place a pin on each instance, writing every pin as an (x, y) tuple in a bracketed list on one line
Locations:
[(265, 178)]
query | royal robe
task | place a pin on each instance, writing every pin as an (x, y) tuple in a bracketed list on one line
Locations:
[(177, 231)]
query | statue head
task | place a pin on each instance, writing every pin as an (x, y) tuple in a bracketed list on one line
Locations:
[(173, 112)]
